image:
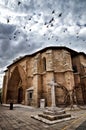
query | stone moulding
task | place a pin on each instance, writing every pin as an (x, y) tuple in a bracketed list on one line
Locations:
[(55, 117), (50, 122)]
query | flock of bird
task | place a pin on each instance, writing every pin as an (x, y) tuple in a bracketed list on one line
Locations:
[(49, 24)]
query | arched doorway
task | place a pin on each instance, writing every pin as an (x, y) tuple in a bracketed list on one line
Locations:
[(16, 85), (20, 95)]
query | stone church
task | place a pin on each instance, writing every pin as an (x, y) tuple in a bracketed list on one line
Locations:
[(27, 79)]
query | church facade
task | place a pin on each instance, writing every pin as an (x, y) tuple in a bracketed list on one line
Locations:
[(27, 79)]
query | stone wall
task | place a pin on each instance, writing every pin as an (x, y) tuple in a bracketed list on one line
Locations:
[(4, 90), (33, 72), (63, 73), (83, 75), (80, 77)]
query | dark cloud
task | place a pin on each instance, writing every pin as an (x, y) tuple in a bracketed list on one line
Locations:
[(6, 29), (34, 24), (5, 46)]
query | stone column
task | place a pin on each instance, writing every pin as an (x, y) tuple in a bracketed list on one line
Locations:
[(53, 84), (53, 95)]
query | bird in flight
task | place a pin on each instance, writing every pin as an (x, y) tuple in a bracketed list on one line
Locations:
[(53, 11), (8, 20), (60, 15), (19, 2)]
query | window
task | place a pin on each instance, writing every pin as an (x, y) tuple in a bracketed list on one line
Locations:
[(44, 64), (30, 95), (75, 69)]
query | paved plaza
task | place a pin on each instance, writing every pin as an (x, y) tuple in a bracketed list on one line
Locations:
[(20, 119)]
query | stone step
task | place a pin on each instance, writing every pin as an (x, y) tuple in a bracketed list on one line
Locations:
[(54, 117), (47, 112)]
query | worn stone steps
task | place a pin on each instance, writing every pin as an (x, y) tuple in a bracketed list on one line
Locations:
[(54, 117)]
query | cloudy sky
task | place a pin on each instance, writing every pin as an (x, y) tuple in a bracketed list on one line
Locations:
[(29, 25)]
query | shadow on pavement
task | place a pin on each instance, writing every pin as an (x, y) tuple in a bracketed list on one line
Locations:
[(82, 126)]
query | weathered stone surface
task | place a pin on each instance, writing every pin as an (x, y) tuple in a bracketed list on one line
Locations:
[(20, 119), (56, 112), (54, 117), (66, 66)]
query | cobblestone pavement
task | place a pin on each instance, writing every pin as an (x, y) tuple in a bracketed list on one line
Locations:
[(20, 119)]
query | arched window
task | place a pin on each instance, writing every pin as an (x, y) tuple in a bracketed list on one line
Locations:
[(44, 64), (75, 69)]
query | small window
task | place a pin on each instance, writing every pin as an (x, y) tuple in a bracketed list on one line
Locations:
[(75, 69), (30, 95), (44, 64)]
